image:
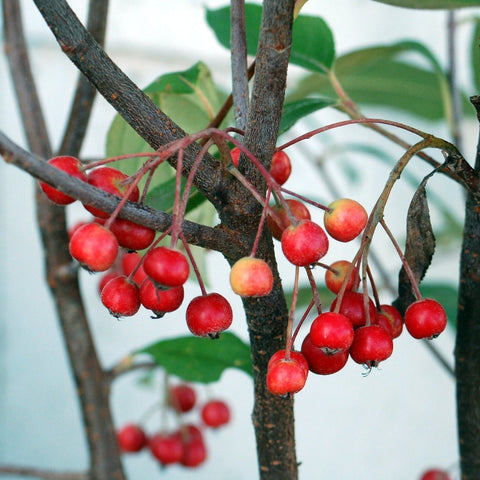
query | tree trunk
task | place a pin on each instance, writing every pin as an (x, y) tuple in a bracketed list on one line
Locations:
[(467, 348)]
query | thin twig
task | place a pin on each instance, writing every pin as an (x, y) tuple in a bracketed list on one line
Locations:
[(39, 473)]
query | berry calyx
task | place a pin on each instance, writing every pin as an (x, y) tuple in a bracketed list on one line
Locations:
[(425, 318), (345, 219), (111, 181), (182, 397), (335, 275), (304, 243), (166, 267), (94, 247), (280, 221), (321, 362), (371, 345), (332, 331), (251, 277), (131, 438), (120, 296), (215, 413), (209, 315), (67, 164)]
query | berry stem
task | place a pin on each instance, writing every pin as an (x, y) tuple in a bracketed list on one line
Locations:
[(300, 323), (176, 219), (289, 342), (194, 264), (261, 224), (313, 286), (405, 264)]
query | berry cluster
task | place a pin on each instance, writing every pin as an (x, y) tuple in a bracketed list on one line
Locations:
[(357, 325), (185, 444)]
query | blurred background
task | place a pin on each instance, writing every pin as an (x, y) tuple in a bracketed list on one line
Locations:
[(392, 423)]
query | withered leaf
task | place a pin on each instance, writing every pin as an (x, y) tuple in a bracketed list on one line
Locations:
[(419, 247)]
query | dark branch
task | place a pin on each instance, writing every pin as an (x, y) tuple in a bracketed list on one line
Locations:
[(39, 473), (25, 89), (82, 104), (128, 100), (213, 238)]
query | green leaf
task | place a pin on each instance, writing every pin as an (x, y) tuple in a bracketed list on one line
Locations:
[(219, 22), (475, 53), (294, 111), (202, 360), (446, 294), (432, 4), (162, 196), (312, 48), (375, 76)]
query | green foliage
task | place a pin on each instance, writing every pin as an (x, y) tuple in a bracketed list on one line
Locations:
[(298, 109), (313, 46), (381, 76), (432, 4), (475, 55), (202, 360)]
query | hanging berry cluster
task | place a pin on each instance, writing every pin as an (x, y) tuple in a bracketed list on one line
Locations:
[(356, 326)]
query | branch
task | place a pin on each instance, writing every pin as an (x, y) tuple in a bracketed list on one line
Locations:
[(38, 473), (128, 100), (239, 63), (82, 104), (25, 89), (214, 238)]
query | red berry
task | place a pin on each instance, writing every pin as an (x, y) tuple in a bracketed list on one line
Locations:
[(371, 345), (194, 450), (297, 356), (235, 154), (70, 165), (335, 275), (160, 301), (209, 315), (132, 236), (215, 413), (75, 227), (286, 377), (131, 438), (280, 221), (332, 331), (112, 181), (320, 362), (105, 278), (94, 247), (280, 168), (353, 307), (304, 243), (121, 297), (345, 219), (435, 474), (129, 262), (167, 448), (182, 397), (251, 277), (425, 318), (166, 267), (390, 319)]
